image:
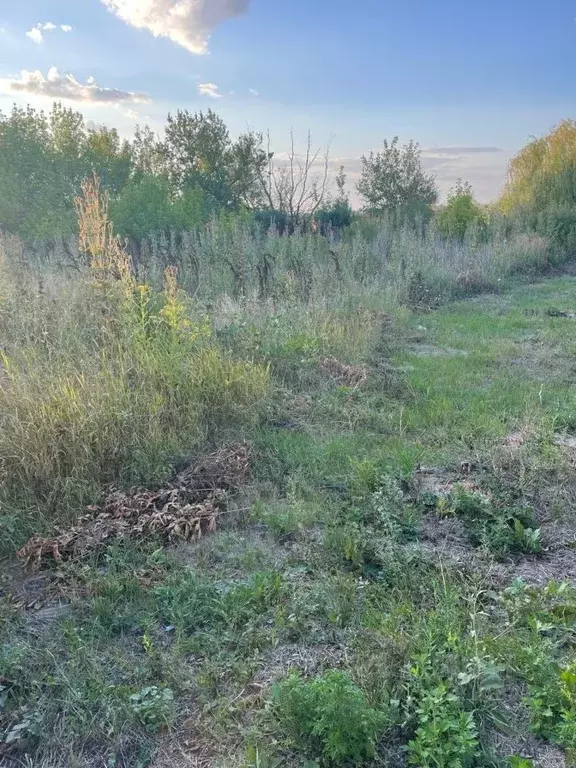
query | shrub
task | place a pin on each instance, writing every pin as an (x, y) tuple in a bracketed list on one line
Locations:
[(386, 511), (328, 717), (422, 293), (460, 212), (552, 703), (446, 736)]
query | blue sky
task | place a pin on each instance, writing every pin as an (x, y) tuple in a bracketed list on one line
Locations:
[(470, 82)]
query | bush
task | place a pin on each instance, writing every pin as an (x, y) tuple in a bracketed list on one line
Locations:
[(460, 212), (334, 217), (328, 717), (557, 223), (386, 511), (446, 736)]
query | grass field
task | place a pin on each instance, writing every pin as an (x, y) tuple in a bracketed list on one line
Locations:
[(393, 582)]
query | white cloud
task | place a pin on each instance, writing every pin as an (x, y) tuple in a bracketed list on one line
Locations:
[(209, 89), (185, 22), (36, 35), (442, 151), (253, 91), (65, 86)]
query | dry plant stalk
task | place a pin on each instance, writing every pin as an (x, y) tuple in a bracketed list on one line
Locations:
[(185, 510), (171, 283), (347, 375), (108, 260)]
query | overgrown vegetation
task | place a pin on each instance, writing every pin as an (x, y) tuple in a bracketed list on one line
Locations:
[(291, 503)]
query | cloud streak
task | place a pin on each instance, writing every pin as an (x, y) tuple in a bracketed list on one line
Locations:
[(458, 151), (210, 90), (188, 23), (35, 34), (65, 86)]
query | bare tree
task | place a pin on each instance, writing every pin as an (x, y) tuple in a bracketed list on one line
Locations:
[(296, 189)]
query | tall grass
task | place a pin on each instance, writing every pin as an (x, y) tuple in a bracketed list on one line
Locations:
[(104, 380), (239, 259), (115, 363)]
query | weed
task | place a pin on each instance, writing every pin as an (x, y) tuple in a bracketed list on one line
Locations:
[(114, 378), (153, 706), (286, 518), (387, 511), (493, 523), (143, 388), (446, 735), (328, 717), (528, 540)]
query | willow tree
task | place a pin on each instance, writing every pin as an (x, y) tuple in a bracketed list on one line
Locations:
[(544, 171)]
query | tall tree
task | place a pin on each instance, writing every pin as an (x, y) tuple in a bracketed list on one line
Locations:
[(544, 171), (195, 149), (68, 148), (247, 160), (109, 157), (147, 153), (30, 203), (394, 180)]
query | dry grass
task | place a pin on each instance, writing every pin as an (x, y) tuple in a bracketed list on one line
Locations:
[(184, 510), (108, 383)]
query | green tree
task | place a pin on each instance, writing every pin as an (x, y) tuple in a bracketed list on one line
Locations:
[(43, 160), (109, 157), (336, 213), (199, 153), (544, 167), (459, 212), (32, 203), (246, 160), (147, 153), (541, 188), (68, 148), (393, 180)]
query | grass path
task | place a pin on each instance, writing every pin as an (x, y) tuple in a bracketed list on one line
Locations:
[(382, 536), (515, 367)]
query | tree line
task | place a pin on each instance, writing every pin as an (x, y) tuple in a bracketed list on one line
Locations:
[(196, 171)]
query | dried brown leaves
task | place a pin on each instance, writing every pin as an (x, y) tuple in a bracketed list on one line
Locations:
[(347, 375), (187, 509)]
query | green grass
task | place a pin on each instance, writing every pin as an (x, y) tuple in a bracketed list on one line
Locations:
[(322, 621)]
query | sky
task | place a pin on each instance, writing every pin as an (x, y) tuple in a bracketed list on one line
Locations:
[(472, 83)]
